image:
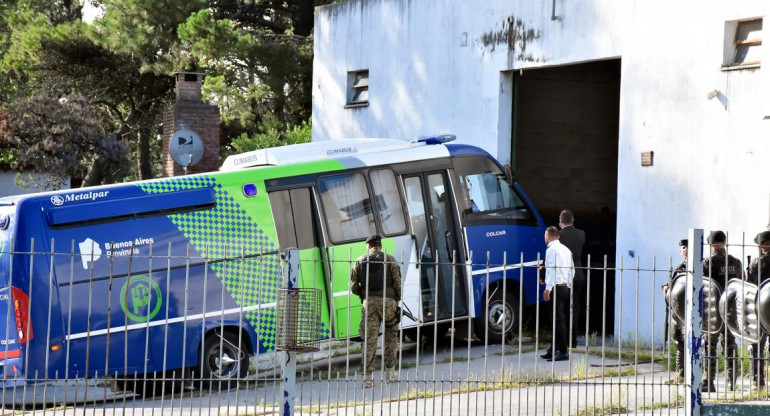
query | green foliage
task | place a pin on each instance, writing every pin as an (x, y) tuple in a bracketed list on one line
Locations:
[(274, 136), (261, 80), (146, 29), (61, 137), (257, 56)]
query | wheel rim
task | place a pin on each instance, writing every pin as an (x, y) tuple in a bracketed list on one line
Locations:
[(500, 317), (223, 361)]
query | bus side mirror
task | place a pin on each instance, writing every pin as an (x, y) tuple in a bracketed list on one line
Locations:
[(508, 174)]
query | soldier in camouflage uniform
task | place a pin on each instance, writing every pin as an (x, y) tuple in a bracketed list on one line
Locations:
[(376, 279), (757, 272)]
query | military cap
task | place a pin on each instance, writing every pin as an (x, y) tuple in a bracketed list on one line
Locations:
[(717, 237), (374, 239), (683, 242), (762, 237)]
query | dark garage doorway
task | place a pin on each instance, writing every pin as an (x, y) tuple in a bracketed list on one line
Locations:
[(565, 152)]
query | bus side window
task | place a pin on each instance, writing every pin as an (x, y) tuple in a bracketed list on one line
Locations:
[(280, 204), (294, 218), (346, 206), (304, 217), (390, 208)]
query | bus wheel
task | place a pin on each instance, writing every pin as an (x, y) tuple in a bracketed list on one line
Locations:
[(501, 317), (223, 358)]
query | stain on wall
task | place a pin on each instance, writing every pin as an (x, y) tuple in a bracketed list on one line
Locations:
[(514, 36)]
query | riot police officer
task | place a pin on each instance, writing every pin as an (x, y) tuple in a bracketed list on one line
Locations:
[(757, 272), (677, 330), (720, 267)]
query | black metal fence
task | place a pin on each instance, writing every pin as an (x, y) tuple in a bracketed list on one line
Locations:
[(181, 335)]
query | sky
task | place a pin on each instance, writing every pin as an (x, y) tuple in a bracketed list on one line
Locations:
[(90, 12)]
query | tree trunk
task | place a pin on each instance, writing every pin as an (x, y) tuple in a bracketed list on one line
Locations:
[(144, 166), (96, 172)]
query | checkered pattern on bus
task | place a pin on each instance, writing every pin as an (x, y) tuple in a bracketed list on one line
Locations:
[(228, 231)]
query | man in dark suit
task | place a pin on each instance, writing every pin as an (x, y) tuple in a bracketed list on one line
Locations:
[(574, 239)]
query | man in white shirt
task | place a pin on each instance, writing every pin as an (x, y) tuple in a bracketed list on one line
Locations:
[(559, 271)]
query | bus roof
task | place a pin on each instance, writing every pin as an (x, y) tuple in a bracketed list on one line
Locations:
[(304, 152), (349, 152)]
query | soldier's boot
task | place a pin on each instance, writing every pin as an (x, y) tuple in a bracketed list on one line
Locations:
[(757, 374), (708, 382), (710, 369), (678, 365), (730, 358), (368, 381), (391, 374)]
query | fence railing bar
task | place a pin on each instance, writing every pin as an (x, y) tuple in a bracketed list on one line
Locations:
[(636, 326), (653, 291), (452, 323), (48, 321), (204, 307), (164, 366), (242, 300), (218, 378), (556, 388)]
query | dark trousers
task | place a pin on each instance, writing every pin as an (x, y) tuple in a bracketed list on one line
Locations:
[(712, 358), (677, 336), (758, 360), (561, 313), (579, 316)]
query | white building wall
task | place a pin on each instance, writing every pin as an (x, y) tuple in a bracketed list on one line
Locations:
[(442, 65)]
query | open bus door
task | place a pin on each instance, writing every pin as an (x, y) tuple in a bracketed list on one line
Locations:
[(355, 206), (295, 214), (431, 212)]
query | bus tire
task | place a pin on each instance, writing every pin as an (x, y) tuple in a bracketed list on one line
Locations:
[(224, 359), (499, 330)]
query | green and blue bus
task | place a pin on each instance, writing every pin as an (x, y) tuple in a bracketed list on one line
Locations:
[(183, 272)]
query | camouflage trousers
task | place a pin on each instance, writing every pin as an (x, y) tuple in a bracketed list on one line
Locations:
[(370, 330)]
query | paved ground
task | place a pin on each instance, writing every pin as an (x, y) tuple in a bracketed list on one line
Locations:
[(444, 383)]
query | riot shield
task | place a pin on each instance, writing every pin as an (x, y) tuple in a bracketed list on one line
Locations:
[(763, 306), (738, 307), (712, 323)]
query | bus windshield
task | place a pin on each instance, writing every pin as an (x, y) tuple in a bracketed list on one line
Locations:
[(485, 193)]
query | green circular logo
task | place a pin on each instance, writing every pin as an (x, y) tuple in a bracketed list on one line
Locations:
[(140, 298)]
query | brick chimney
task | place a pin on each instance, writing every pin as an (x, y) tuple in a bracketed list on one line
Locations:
[(191, 113)]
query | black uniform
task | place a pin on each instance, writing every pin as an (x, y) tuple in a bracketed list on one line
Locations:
[(760, 266), (758, 272), (721, 267), (676, 329), (574, 239)]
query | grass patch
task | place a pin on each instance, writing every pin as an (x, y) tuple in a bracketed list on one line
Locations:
[(514, 351), (610, 409), (622, 372), (629, 356), (455, 358), (632, 342), (678, 402), (615, 407)]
